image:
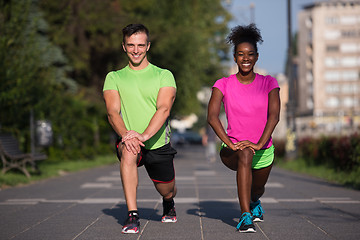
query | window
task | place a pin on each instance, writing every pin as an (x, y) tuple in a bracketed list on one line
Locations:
[(332, 62), (332, 35), (332, 102), (348, 102), (348, 20), (351, 75), (332, 88), (332, 20), (349, 34), (309, 103), (332, 48), (332, 76), (349, 88), (309, 76), (349, 47), (308, 22), (349, 62)]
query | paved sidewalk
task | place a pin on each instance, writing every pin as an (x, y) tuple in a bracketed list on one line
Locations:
[(90, 205)]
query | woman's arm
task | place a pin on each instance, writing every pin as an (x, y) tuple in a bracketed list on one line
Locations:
[(213, 117), (272, 121)]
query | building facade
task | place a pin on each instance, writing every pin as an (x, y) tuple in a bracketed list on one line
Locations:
[(328, 85)]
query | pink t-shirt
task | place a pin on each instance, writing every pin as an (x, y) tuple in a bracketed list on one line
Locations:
[(246, 106)]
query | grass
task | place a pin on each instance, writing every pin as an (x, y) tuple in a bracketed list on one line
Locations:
[(50, 169), (348, 179)]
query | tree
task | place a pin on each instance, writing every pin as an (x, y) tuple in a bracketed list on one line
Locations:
[(31, 67), (187, 38)]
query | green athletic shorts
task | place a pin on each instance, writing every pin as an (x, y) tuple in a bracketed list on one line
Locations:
[(262, 158)]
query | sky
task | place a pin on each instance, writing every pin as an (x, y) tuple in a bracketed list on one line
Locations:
[(271, 18)]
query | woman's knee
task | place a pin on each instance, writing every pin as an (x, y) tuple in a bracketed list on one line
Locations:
[(229, 158), (245, 158), (257, 192)]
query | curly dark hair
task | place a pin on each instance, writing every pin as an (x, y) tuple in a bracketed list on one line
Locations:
[(240, 34)]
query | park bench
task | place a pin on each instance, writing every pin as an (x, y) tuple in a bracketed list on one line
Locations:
[(13, 158)]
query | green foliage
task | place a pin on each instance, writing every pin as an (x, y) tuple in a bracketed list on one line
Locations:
[(28, 76), (89, 32), (54, 168), (54, 56), (187, 37), (33, 77), (341, 153), (347, 178), (280, 149)]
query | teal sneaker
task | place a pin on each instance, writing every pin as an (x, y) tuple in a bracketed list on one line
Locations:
[(257, 211), (246, 224)]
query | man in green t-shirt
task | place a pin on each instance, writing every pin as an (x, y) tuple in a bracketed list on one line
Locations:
[(138, 100)]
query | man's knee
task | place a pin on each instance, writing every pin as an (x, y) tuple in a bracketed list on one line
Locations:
[(127, 158), (169, 195), (167, 191)]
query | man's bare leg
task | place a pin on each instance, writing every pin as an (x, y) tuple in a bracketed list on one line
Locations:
[(129, 176)]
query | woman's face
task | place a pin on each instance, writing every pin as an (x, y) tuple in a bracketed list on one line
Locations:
[(245, 57)]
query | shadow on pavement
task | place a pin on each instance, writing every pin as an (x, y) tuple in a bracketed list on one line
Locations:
[(225, 211), (120, 213)]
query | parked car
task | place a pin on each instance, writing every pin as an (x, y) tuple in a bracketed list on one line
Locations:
[(187, 137)]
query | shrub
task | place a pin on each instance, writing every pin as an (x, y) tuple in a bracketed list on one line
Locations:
[(340, 153)]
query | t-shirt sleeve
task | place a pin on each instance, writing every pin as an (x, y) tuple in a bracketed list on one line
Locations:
[(272, 83), (109, 83), (167, 79), (220, 84)]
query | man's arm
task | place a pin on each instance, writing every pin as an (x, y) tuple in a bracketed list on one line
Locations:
[(113, 107), (164, 102)]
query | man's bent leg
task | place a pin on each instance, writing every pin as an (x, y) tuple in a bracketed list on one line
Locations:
[(168, 192)]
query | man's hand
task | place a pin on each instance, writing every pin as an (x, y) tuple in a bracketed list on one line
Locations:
[(133, 134), (133, 145)]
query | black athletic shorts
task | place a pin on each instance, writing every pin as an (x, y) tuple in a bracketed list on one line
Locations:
[(159, 163)]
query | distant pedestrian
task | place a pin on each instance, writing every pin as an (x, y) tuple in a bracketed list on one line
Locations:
[(252, 107), (209, 142), (138, 100)]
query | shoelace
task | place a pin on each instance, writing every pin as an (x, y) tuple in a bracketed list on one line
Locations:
[(169, 212), (258, 210), (132, 220), (246, 219)]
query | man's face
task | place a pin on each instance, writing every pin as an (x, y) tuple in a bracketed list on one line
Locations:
[(136, 47)]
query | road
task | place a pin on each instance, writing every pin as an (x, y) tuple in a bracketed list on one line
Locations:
[(90, 205)]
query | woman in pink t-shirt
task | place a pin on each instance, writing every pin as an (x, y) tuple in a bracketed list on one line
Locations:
[(252, 106)]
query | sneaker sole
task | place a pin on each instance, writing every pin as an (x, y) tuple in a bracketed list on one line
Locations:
[(130, 231), (169, 220), (250, 230), (258, 220)]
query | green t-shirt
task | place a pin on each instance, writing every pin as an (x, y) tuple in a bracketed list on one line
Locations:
[(138, 91)]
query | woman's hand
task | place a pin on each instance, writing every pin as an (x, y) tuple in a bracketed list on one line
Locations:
[(246, 143)]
